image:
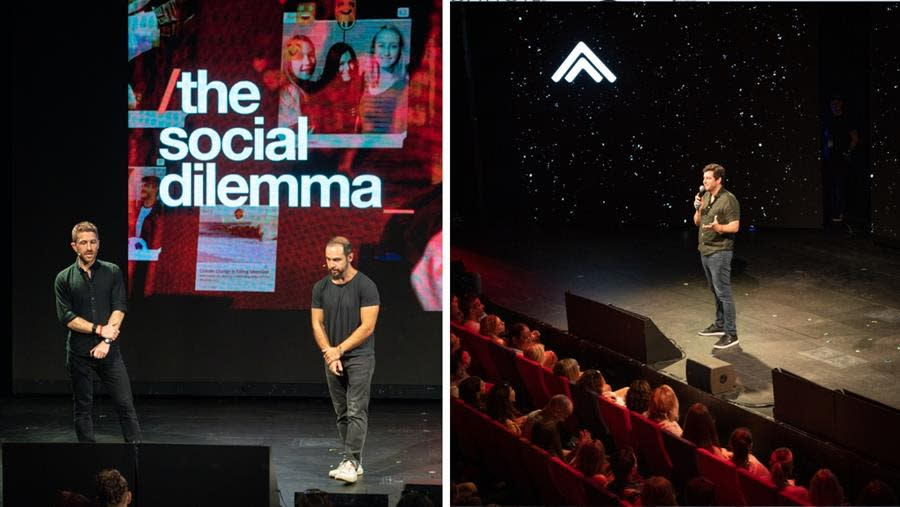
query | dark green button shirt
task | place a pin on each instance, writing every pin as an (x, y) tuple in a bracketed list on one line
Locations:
[(93, 298), (725, 208)]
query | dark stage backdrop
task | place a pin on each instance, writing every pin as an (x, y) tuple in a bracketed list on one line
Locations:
[(885, 111), (729, 83), (219, 295)]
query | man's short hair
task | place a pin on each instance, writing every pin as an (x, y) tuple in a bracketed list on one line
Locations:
[(718, 170), (111, 487), (341, 240), (150, 179), (84, 227)]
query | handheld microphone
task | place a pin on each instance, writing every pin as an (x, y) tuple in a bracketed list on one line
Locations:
[(702, 190)]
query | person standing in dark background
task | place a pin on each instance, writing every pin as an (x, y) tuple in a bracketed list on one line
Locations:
[(718, 217), (840, 140)]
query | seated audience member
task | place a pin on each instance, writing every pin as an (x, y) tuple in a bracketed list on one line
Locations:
[(664, 409), (454, 343), (72, 499), (589, 458), (470, 391), (547, 434), (493, 327), (459, 365), (700, 491), (742, 453), (700, 428), (314, 497), (112, 489), (638, 397), (626, 481), (824, 489), (781, 468), (456, 315), (558, 409), (501, 407), (411, 498), (520, 337), (587, 407), (877, 493), (460, 493), (567, 368), (473, 311), (658, 491)]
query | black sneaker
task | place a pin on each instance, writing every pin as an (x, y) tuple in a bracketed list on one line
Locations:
[(712, 330), (726, 341)]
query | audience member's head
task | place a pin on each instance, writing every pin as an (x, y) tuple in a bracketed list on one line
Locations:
[(700, 491), (559, 408), (501, 402), (781, 466), (658, 491), (470, 391), (824, 489), (459, 364), (314, 497), (591, 380), (535, 352), (624, 466), (520, 335), (112, 489), (454, 343), (700, 428), (877, 493), (471, 307), (663, 404), (492, 326), (412, 498), (741, 442), (456, 315), (568, 368), (638, 397), (591, 459)]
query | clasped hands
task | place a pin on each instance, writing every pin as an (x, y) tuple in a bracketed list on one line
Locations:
[(332, 357), (102, 349)]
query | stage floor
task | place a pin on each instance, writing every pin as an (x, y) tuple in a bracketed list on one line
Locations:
[(821, 304), (403, 443)]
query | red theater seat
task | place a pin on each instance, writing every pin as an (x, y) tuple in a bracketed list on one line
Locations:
[(569, 483), (757, 491), (618, 420), (537, 462), (532, 376), (683, 455), (723, 474), (649, 445), (477, 345)]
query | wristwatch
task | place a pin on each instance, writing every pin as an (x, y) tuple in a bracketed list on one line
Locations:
[(107, 341)]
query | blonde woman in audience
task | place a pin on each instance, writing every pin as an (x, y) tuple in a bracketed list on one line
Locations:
[(520, 337), (493, 327), (568, 368), (664, 409)]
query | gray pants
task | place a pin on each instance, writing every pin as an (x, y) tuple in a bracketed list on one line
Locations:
[(350, 396), (717, 267)]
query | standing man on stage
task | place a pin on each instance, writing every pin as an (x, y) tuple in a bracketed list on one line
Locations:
[(90, 302), (344, 311), (718, 216)]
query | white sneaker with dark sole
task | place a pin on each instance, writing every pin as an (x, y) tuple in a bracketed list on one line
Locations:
[(347, 472), (334, 471)]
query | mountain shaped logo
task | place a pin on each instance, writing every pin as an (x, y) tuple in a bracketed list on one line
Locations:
[(583, 59)]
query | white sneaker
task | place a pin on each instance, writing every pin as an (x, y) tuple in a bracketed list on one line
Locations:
[(334, 471), (346, 472)]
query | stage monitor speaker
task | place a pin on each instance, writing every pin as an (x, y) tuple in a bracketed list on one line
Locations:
[(628, 333), (711, 375), (36, 473), (803, 404), (857, 419), (312, 497)]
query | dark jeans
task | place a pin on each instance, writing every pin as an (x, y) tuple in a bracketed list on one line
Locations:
[(112, 372), (350, 396), (717, 267), (835, 179)]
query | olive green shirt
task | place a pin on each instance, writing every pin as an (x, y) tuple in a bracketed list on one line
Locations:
[(725, 208)]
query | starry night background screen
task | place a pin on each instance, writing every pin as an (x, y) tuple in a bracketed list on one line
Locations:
[(735, 84)]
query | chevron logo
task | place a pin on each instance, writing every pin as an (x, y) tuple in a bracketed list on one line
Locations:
[(583, 59)]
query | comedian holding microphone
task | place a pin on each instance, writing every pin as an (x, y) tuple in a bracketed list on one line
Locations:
[(718, 217)]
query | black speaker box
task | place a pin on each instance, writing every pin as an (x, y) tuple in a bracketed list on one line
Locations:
[(711, 374)]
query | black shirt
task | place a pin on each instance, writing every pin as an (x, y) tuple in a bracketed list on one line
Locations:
[(93, 298), (341, 304)]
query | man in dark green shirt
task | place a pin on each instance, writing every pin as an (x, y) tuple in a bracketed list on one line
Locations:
[(718, 217), (90, 302)]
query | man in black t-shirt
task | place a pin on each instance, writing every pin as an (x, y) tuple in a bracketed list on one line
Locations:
[(841, 139), (344, 311), (90, 302)]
